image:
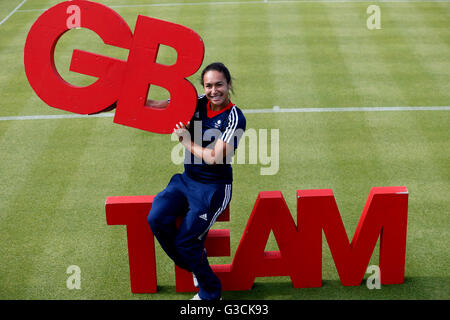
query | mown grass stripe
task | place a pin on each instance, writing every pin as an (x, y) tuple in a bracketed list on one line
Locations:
[(53, 216), (15, 90), (32, 207), (432, 46), (18, 153), (392, 48), (81, 214), (334, 80), (291, 70)]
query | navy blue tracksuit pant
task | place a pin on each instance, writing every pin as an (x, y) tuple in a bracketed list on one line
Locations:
[(201, 204)]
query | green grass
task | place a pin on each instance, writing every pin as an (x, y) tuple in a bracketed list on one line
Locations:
[(56, 174)]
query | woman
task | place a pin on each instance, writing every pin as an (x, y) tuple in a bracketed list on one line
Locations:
[(203, 191)]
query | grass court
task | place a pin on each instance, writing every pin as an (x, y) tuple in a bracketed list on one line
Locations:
[(56, 173)]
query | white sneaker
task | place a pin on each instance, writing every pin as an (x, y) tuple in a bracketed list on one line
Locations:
[(195, 280), (196, 297)]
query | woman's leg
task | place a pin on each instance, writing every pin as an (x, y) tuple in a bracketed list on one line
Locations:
[(167, 206), (192, 234)]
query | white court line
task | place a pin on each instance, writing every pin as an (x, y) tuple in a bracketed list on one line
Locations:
[(247, 111), (271, 2), (12, 12)]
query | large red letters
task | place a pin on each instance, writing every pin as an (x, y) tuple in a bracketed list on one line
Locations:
[(300, 245), (124, 82)]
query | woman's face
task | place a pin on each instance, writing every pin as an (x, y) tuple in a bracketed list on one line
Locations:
[(216, 88)]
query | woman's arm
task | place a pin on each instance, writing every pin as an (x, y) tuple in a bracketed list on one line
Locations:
[(210, 156)]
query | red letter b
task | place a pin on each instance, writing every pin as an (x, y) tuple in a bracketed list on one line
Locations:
[(143, 70)]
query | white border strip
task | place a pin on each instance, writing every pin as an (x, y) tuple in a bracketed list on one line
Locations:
[(12, 12), (205, 3), (247, 111)]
